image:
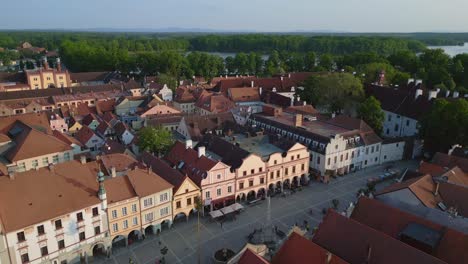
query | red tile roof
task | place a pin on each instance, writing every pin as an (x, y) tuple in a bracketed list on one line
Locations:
[(358, 243), (392, 221), (450, 161), (146, 182), (84, 134), (249, 257), (296, 249), (119, 189), (244, 94)]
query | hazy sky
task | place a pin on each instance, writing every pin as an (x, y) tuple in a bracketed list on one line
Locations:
[(258, 15)]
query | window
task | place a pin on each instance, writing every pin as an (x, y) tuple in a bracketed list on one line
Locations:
[(48, 78), (252, 171), (178, 205), (298, 156), (377, 148), (149, 217), (275, 162), (163, 197), (229, 189), (218, 176), (134, 208), (79, 217), (189, 201), (389, 118), (40, 230), (375, 159), (148, 202), (302, 167), (21, 166), (20, 236), (97, 230), (278, 174), (115, 227), (262, 180), (396, 127), (44, 251), (335, 159), (328, 161), (55, 159), (336, 146), (35, 163), (260, 169), (286, 171), (341, 157), (124, 211), (164, 211), (66, 156), (244, 173), (114, 213), (251, 183), (241, 185), (58, 224), (292, 157), (365, 162), (82, 236), (218, 192), (61, 244), (271, 175), (372, 149), (318, 160), (125, 224), (367, 150), (352, 154), (293, 169), (25, 258), (207, 195), (407, 122), (95, 211), (347, 156)]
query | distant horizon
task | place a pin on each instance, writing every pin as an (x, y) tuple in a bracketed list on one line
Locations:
[(275, 16)]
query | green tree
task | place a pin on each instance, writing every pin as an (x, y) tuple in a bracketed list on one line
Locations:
[(309, 61), (373, 70), (166, 79), (445, 125), (371, 112), (335, 92), (326, 62), (155, 140)]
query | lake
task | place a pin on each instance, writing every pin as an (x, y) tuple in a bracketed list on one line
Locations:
[(452, 50)]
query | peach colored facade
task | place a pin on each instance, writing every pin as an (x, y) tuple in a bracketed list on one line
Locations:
[(160, 109), (185, 197), (255, 176), (124, 217), (219, 184), (156, 209), (44, 79)]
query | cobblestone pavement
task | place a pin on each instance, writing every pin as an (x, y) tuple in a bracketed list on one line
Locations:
[(182, 239)]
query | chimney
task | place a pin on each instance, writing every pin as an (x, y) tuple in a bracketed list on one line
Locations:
[(11, 175), (411, 80), (333, 115), (418, 81), (289, 75), (456, 94), (260, 90), (292, 101), (447, 93), (46, 64), (418, 93), (329, 257), (252, 84), (201, 151), (298, 98), (51, 167), (305, 103), (83, 159), (432, 95), (369, 254), (298, 120), (281, 78), (188, 144), (59, 65), (113, 172), (436, 192)]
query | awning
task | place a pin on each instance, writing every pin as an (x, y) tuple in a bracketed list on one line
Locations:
[(216, 214), (237, 206), (227, 210)]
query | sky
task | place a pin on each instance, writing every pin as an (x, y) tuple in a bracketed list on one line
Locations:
[(239, 15)]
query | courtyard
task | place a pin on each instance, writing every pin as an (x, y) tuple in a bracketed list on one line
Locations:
[(182, 240)]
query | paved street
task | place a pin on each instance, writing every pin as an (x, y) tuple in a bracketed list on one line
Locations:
[(182, 239)]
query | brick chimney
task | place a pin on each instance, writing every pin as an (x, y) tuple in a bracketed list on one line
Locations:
[(188, 144), (113, 172), (298, 120), (59, 65), (201, 151), (83, 159), (46, 64)]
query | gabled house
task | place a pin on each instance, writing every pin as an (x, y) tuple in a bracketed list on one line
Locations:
[(122, 132), (73, 126), (91, 120), (88, 138), (185, 191)]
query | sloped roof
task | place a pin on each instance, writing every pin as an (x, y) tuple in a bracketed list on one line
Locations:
[(296, 249), (249, 257), (38, 121), (164, 170), (119, 189), (111, 147), (244, 94), (230, 154), (455, 196), (352, 241), (450, 161), (30, 143), (39, 195), (392, 221), (88, 119), (195, 167), (66, 138), (422, 187), (120, 162), (84, 134), (78, 77), (197, 125), (146, 182)]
